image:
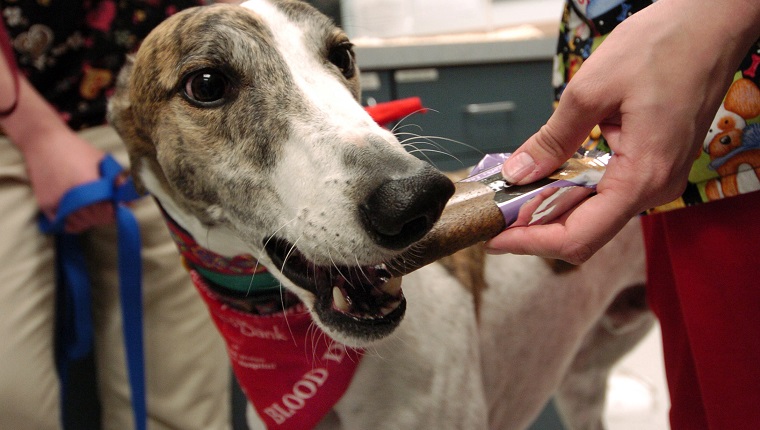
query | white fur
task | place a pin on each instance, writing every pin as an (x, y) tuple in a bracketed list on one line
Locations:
[(320, 89)]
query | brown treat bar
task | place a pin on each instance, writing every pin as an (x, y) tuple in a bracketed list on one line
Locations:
[(470, 216)]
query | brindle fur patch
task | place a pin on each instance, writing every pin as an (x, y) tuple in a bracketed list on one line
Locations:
[(160, 124)]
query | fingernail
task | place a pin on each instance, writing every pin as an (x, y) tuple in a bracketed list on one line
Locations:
[(517, 167)]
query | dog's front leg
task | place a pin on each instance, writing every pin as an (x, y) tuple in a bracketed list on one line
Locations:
[(581, 397)]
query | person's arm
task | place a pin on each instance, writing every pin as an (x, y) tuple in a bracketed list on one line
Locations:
[(654, 86), (57, 159)]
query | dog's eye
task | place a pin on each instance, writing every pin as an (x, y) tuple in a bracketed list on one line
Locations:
[(342, 56), (206, 88)]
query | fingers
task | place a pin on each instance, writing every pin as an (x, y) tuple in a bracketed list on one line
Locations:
[(575, 237), (555, 142), (86, 218), (92, 216)]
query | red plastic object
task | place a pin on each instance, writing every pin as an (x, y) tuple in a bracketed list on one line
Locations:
[(386, 112)]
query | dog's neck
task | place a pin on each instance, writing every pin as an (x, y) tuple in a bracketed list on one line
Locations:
[(241, 281), (239, 273), (225, 242)]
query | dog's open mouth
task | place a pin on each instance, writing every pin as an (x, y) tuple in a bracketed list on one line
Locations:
[(361, 301)]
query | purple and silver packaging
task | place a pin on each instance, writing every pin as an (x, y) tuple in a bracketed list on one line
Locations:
[(484, 205)]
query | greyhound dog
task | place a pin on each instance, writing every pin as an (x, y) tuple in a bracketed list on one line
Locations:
[(243, 123)]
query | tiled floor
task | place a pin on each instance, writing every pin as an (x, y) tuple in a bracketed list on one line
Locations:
[(638, 396)]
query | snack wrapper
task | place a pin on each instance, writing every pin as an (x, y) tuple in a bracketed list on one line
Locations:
[(544, 200)]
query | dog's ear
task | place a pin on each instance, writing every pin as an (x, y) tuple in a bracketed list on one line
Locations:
[(121, 117)]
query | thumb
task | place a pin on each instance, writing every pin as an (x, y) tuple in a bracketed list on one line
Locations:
[(553, 144)]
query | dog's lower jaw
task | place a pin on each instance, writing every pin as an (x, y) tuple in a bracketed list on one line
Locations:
[(347, 332), (359, 330), (354, 304)]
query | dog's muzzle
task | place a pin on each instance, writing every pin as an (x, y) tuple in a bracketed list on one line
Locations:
[(401, 211), (366, 302)]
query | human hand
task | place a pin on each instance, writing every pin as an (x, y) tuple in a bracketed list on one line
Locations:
[(60, 163), (57, 159), (653, 86)]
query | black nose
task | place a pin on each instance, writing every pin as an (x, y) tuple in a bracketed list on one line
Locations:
[(400, 211)]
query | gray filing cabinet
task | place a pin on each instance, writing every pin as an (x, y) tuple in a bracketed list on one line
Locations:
[(474, 109)]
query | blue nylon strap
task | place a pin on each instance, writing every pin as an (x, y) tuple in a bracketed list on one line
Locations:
[(74, 331)]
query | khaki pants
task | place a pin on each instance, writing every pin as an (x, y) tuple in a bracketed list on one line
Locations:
[(187, 368)]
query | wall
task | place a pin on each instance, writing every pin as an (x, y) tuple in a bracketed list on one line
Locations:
[(397, 18)]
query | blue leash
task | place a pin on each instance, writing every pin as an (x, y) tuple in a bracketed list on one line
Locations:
[(74, 327)]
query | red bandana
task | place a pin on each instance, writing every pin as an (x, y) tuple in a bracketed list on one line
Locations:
[(289, 370)]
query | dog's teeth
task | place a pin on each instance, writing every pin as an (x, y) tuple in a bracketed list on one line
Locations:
[(390, 308), (339, 300), (392, 287)]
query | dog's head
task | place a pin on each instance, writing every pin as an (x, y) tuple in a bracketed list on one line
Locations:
[(244, 123)]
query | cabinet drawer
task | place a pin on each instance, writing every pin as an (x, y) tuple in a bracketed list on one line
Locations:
[(377, 87), (475, 109)]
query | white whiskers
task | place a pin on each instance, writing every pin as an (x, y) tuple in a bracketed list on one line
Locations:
[(413, 142)]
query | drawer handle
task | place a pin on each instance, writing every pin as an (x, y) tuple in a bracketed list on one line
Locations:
[(495, 107)]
